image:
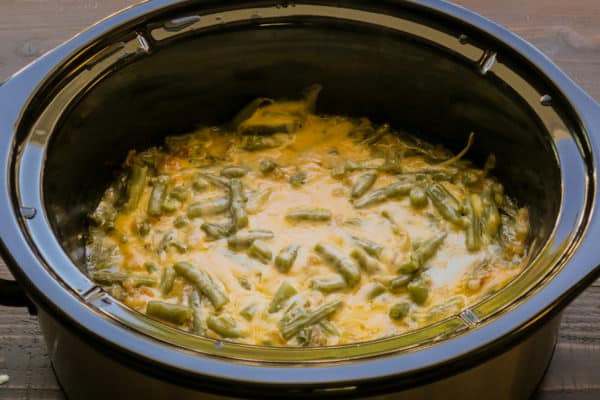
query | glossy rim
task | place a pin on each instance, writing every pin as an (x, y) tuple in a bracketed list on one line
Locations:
[(464, 349)]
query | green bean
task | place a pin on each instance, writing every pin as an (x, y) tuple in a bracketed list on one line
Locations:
[(385, 193), (225, 326), (200, 184), (290, 327), (266, 129), (283, 294), (418, 197), (423, 253), (376, 136), (399, 310), (311, 94), (215, 231), (394, 225), (298, 179), (329, 328), (445, 203), (375, 290), (171, 205), (249, 311), (363, 184), (135, 186), (216, 180), (491, 215), (238, 212), (245, 283), (216, 205), (452, 306), (257, 143), (198, 320), (257, 201), (399, 282), (174, 313), (418, 291), (473, 228), (260, 251), (365, 261), (180, 222), (474, 278), (203, 282), (286, 257), (180, 193), (498, 192), (338, 172), (267, 166), (312, 215), (234, 171), (167, 280), (143, 228), (243, 239), (344, 265), (111, 278), (150, 267), (167, 239), (157, 196), (249, 110), (328, 284), (374, 249)]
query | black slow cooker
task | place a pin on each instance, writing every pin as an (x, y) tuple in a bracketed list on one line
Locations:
[(164, 66)]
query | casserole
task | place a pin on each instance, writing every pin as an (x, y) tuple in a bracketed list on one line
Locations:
[(84, 104)]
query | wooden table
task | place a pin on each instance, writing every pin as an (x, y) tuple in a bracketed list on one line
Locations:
[(567, 31)]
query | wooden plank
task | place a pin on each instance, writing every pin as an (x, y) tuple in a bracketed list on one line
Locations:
[(568, 32)]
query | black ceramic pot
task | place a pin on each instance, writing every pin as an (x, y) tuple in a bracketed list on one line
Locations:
[(161, 67)]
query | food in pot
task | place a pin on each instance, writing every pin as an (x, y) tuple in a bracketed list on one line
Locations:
[(285, 227)]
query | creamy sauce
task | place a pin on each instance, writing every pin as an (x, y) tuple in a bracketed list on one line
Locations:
[(313, 145)]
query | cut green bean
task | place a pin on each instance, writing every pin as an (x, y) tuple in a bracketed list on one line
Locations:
[(203, 282), (119, 278), (491, 216), (267, 166), (157, 196), (234, 171), (135, 186), (198, 319), (399, 311), (363, 184), (174, 313), (150, 267), (376, 135), (215, 231), (329, 328), (224, 326), (283, 294), (423, 253), (440, 311), (366, 262), (143, 228), (181, 222), (445, 203), (216, 180), (244, 239), (249, 311), (298, 179), (258, 143), (257, 201), (180, 193), (385, 193), (249, 110), (290, 327), (311, 94), (245, 283), (200, 184), (171, 205), (260, 250), (238, 212), (216, 205), (473, 228), (338, 171), (312, 215), (328, 284), (418, 197), (166, 281), (418, 291), (344, 265), (166, 241), (286, 257), (399, 282), (372, 248), (393, 224), (375, 290)]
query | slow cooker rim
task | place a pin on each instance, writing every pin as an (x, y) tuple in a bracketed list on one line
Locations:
[(22, 247)]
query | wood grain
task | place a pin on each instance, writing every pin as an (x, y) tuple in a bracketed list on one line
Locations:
[(567, 31)]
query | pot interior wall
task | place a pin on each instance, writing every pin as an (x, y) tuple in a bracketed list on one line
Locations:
[(205, 79)]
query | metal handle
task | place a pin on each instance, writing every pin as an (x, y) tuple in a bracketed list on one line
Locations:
[(12, 295)]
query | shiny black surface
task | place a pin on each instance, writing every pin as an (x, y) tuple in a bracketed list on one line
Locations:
[(575, 254)]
